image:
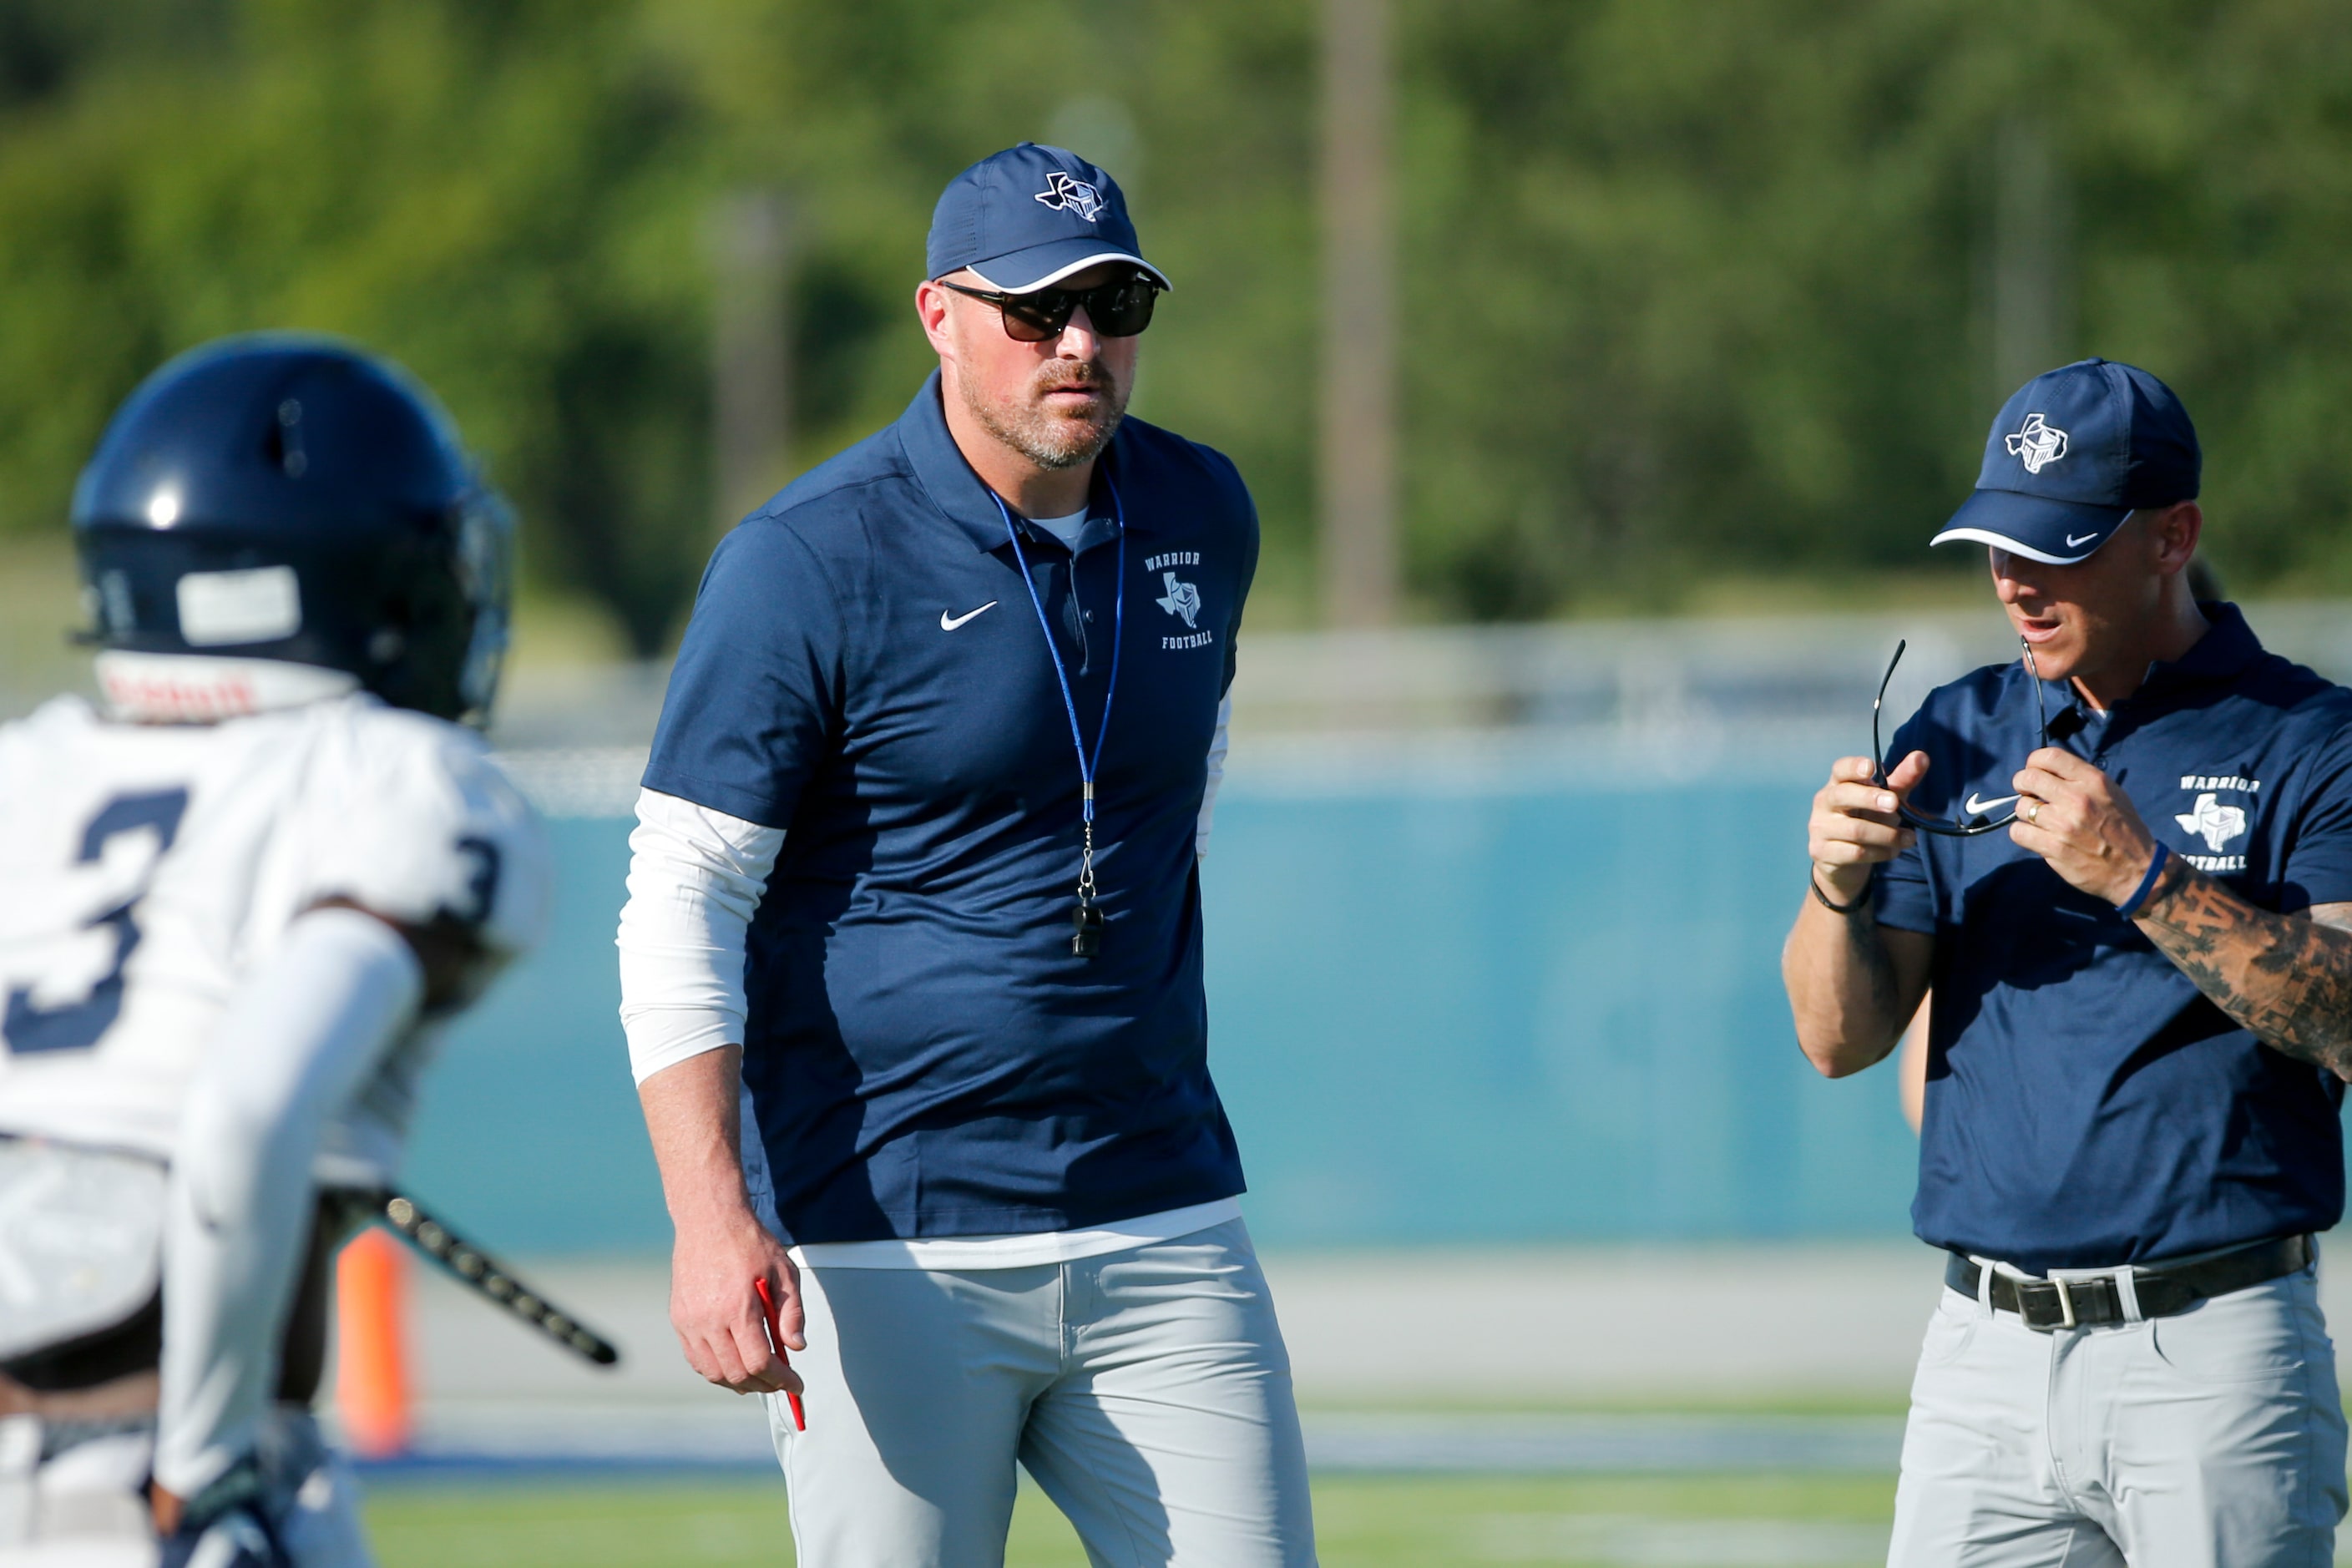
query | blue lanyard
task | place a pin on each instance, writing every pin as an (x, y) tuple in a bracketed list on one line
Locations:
[(1088, 762)]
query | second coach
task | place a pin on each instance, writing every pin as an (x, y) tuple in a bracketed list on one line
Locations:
[(2124, 860), (914, 886)]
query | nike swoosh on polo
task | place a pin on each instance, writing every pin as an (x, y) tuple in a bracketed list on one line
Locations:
[(1978, 807), (2072, 541), (949, 623)]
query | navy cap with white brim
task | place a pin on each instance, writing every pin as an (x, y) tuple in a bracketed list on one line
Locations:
[(2073, 455), (1027, 217)]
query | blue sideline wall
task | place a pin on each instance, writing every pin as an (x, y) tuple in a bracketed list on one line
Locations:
[(1538, 1011)]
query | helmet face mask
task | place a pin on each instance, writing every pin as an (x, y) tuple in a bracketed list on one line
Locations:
[(291, 497), (484, 563)]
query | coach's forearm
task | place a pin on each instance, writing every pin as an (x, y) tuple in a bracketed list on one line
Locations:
[(692, 1114), (1846, 991), (694, 1118), (2288, 978)]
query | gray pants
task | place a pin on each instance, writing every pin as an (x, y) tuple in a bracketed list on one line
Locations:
[(2211, 1439), (1147, 1391)]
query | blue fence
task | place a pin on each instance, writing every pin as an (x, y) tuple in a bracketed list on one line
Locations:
[(1543, 1010)]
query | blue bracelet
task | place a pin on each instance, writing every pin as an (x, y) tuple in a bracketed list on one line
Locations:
[(2129, 909)]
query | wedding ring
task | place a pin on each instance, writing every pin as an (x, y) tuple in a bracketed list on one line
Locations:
[(2033, 814)]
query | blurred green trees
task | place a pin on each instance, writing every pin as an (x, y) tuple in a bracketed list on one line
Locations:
[(1688, 288), (1703, 288)]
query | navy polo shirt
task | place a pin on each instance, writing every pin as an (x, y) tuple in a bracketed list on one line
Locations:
[(2087, 1105), (865, 669)]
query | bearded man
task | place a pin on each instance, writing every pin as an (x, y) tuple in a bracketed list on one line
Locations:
[(911, 961)]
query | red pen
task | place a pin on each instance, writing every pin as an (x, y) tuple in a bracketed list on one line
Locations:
[(776, 1338)]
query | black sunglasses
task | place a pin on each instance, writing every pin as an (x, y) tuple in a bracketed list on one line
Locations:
[(1120, 309), (1975, 824)]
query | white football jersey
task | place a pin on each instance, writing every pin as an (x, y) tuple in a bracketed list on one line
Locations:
[(145, 869)]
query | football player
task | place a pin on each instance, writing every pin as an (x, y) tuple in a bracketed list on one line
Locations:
[(236, 900)]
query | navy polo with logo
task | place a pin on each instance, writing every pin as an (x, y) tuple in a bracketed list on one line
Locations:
[(865, 669), (2087, 1106)]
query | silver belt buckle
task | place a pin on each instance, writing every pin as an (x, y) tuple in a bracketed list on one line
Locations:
[(2065, 1306)]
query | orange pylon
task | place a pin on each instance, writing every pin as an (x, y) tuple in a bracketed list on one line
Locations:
[(371, 1345)]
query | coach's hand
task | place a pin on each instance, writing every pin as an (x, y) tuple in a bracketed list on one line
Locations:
[(2074, 816), (1853, 825), (691, 1114), (715, 1307)]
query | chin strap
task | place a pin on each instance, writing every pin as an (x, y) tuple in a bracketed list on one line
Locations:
[(198, 689)]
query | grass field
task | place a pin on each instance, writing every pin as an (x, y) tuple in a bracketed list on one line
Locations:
[(1363, 1521)]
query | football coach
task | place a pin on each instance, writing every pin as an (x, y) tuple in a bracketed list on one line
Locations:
[(911, 959), (2125, 862)]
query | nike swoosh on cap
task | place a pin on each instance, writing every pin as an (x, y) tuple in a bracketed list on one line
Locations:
[(949, 623), (1978, 807), (2072, 541)]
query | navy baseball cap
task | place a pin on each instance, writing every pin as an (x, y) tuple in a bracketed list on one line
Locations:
[(2074, 453), (1028, 218)]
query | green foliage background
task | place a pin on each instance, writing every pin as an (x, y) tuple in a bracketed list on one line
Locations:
[(1689, 288)]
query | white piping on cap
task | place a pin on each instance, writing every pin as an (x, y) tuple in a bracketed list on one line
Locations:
[(1078, 266), (1999, 542)]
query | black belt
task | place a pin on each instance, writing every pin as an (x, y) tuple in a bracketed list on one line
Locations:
[(2161, 1290)]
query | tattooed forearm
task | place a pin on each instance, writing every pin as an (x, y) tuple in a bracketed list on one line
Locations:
[(2288, 978)]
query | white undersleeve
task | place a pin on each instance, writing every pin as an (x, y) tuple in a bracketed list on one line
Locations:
[(696, 878), (300, 1039), (1219, 743)]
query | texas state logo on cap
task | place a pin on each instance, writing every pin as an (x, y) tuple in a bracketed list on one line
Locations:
[(1029, 216), (2076, 451)]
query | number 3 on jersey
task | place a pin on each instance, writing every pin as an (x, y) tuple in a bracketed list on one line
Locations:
[(29, 1025)]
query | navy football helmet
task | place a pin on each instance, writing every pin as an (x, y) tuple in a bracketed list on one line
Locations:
[(273, 496)]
